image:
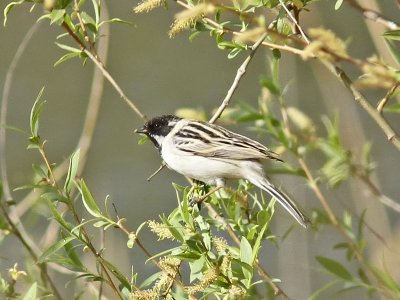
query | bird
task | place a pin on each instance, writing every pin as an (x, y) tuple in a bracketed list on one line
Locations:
[(211, 154)]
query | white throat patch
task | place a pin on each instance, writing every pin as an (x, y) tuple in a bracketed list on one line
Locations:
[(159, 139)]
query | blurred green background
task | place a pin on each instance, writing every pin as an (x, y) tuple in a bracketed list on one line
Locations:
[(161, 75)]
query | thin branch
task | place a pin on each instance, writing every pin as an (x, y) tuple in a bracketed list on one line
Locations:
[(377, 192), (85, 139), (4, 107), (360, 99), (83, 27), (357, 254), (105, 73), (291, 17), (239, 74), (385, 99), (227, 227), (374, 16), (163, 164), (15, 223)]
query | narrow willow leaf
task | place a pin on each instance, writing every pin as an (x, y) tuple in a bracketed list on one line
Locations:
[(88, 201), (257, 244), (69, 48), (392, 35), (72, 170), (74, 257), (54, 248), (122, 279), (394, 50), (8, 8), (57, 216), (338, 4), (96, 8), (35, 114), (334, 267), (66, 57), (57, 16), (246, 257), (149, 280)]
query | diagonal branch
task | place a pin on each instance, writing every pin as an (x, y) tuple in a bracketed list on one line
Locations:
[(106, 74), (360, 99), (240, 72), (374, 16)]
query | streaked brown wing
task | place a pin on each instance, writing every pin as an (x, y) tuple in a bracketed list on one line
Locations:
[(209, 140)]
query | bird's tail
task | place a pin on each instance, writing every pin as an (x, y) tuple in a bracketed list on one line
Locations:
[(284, 200)]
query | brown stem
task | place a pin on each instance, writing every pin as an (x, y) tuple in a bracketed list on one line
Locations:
[(105, 73)]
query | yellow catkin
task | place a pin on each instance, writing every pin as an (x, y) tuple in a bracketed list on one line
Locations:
[(148, 5)]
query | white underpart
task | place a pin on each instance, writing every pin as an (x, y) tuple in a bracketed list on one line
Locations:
[(207, 169), (159, 139), (214, 171)]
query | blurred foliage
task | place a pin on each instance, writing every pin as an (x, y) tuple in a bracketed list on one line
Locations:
[(213, 252)]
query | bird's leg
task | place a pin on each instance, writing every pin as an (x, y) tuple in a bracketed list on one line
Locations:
[(198, 200)]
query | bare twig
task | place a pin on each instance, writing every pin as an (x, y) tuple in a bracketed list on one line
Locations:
[(157, 171), (106, 74), (240, 72), (13, 220), (293, 19), (374, 16), (385, 99), (360, 99), (377, 192), (89, 126), (82, 24), (4, 108)]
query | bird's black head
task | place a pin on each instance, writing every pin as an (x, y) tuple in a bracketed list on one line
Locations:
[(158, 128)]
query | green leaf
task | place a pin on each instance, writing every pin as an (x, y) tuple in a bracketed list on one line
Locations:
[(394, 51), (8, 8), (116, 20), (149, 280), (271, 86), (57, 16), (257, 243), (338, 4), (174, 231), (88, 201), (31, 294), (96, 8), (69, 48), (72, 170), (246, 257), (394, 108), (392, 35), (66, 57), (54, 248), (35, 114), (334, 267), (74, 257), (386, 279), (122, 279), (89, 22)]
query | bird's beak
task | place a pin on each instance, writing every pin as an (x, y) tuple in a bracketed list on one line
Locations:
[(141, 130)]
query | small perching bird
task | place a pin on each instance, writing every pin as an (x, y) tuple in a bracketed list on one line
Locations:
[(210, 153)]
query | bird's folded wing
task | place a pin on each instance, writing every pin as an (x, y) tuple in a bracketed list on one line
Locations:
[(211, 140)]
